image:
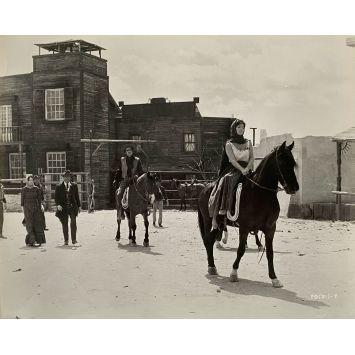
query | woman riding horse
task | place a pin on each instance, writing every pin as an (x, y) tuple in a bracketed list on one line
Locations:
[(259, 207), (237, 160)]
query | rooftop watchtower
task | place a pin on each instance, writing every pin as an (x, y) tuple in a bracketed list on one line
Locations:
[(70, 46)]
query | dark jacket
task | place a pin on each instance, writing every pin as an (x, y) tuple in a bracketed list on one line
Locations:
[(161, 194), (132, 168), (60, 198)]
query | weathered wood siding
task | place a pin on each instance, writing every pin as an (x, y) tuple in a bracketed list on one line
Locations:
[(16, 90), (96, 117)]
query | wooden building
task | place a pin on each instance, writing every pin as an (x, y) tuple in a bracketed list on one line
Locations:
[(186, 142), (45, 113)]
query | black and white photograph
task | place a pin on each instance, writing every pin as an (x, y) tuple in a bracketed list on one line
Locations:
[(177, 176)]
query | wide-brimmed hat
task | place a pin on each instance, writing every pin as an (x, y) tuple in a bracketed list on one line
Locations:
[(67, 173)]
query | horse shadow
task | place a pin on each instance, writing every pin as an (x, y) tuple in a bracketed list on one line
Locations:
[(137, 249), (263, 289), (68, 247), (251, 250)]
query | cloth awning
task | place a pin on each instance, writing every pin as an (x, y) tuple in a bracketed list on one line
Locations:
[(346, 136)]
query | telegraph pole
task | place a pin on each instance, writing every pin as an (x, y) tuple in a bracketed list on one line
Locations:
[(90, 152), (254, 129)]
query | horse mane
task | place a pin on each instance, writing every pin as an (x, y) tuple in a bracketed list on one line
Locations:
[(266, 158)]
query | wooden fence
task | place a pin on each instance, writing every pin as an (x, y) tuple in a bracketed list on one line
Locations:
[(50, 181)]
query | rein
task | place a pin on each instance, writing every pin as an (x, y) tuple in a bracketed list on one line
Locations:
[(139, 194), (278, 167)]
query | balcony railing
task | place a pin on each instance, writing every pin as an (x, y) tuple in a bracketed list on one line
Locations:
[(10, 134)]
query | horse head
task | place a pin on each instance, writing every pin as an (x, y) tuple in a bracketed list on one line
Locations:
[(285, 165), (150, 184)]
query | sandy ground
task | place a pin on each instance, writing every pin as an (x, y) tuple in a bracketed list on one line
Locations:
[(105, 279)]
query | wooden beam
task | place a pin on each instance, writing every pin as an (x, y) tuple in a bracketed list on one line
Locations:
[(88, 140), (343, 193)]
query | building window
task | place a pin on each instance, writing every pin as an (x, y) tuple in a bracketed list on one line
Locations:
[(189, 142), (5, 123), (55, 109), (56, 162), (15, 165)]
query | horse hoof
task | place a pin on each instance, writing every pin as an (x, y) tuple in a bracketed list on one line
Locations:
[(276, 283), (117, 239), (233, 276), (132, 242), (260, 247), (212, 270), (219, 245), (146, 244)]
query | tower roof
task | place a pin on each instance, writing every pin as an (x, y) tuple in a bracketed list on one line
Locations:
[(62, 46)]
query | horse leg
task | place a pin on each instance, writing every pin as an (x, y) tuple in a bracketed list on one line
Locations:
[(269, 238), (225, 233), (205, 224), (128, 215), (243, 235), (146, 225), (257, 241), (118, 233), (133, 227)]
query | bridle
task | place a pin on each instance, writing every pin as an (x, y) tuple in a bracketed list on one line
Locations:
[(146, 197), (280, 172)]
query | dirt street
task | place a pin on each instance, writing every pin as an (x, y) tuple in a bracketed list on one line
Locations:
[(105, 279)]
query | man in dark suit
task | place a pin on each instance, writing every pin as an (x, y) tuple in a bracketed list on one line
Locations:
[(68, 205)]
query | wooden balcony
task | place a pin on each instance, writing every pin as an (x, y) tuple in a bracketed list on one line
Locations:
[(10, 135)]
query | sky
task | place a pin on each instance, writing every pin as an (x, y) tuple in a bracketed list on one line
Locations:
[(303, 85)]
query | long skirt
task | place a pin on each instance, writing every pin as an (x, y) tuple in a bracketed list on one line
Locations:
[(221, 197), (34, 226)]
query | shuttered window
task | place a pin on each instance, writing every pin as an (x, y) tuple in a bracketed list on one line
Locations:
[(189, 142), (15, 165), (5, 123)]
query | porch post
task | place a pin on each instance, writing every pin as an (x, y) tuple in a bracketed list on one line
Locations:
[(338, 196)]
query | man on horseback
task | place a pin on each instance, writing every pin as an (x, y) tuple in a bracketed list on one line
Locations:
[(237, 161), (129, 169)]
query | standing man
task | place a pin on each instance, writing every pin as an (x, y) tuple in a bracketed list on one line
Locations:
[(158, 204), (68, 205), (129, 169), (91, 203), (2, 208)]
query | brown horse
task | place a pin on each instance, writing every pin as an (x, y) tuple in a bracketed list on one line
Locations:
[(259, 207), (141, 193)]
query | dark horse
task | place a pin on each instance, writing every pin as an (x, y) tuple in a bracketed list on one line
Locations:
[(141, 194), (259, 207)]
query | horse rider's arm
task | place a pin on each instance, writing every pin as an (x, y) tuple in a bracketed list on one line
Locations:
[(251, 157), (139, 170), (231, 157)]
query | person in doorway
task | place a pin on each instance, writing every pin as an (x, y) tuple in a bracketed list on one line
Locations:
[(31, 202), (129, 169), (2, 209), (68, 205), (160, 196)]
